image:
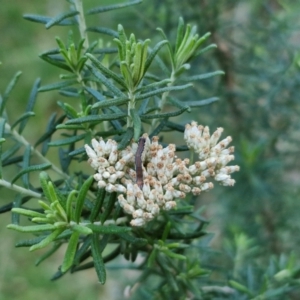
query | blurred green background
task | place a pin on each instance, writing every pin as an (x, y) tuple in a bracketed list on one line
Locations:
[(258, 48)]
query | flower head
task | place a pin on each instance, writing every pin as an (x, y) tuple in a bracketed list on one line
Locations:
[(165, 176)]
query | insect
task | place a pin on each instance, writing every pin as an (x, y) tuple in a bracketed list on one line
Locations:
[(138, 162)]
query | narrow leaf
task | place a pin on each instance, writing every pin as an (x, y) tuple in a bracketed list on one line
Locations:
[(32, 228), (109, 206), (82, 229), (81, 197), (70, 252), (106, 71), (180, 34), (96, 118), (30, 104), (153, 53), (8, 90), (61, 17), (111, 102), (33, 168), (27, 212), (101, 9), (126, 138), (105, 81), (163, 90), (45, 20), (163, 115), (97, 204), (202, 76), (198, 103), (24, 117), (108, 229), (67, 141), (49, 239), (57, 85), (97, 258), (103, 30)]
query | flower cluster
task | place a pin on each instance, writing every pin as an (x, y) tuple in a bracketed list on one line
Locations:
[(165, 176)]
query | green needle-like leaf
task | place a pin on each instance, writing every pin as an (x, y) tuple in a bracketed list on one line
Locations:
[(108, 229), (49, 239), (27, 212), (30, 169), (81, 197), (33, 228), (70, 252), (8, 91), (97, 258)]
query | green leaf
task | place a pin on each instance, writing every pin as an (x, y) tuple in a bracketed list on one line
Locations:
[(70, 252), (49, 239), (202, 76), (81, 197), (126, 138), (109, 206), (69, 205), (97, 258), (96, 118), (44, 179), (180, 34), (67, 141), (159, 127), (59, 18), (32, 228), (97, 204), (164, 115), (2, 130), (108, 73), (179, 104), (24, 117), (111, 102), (82, 229), (45, 20), (240, 287), (8, 90), (30, 169), (25, 165), (132, 239), (30, 242), (56, 61), (27, 212), (153, 53), (163, 90), (137, 124), (30, 104), (116, 91), (108, 229), (57, 85), (152, 86), (103, 30), (101, 9), (198, 103)]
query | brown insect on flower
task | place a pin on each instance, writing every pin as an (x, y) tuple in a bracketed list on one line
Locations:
[(138, 162)]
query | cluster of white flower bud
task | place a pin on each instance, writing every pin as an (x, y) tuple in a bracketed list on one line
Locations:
[(164, 176)]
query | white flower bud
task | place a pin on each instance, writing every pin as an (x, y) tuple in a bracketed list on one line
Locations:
[(137, 222)]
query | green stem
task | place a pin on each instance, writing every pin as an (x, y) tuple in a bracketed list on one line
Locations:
[(81, 22)]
